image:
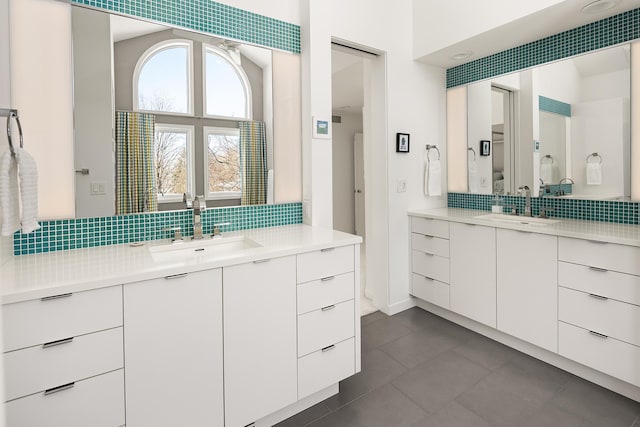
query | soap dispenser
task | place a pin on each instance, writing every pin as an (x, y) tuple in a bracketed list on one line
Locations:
[(496, 207)]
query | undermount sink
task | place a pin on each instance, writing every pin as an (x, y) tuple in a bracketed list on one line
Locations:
[(516, 219), (214, 247)]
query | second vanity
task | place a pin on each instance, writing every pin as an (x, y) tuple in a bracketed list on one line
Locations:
[(566, 292), (137, 336)]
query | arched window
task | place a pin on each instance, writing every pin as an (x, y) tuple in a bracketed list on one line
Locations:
[(227, 92), (162, 79)]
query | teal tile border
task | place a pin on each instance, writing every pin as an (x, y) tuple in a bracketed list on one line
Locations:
[(596, 35), (590, 210), (554, 106), (209, 17), (67, 234)]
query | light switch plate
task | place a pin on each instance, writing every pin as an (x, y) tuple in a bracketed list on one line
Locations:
[(98, 188), (401, 186)]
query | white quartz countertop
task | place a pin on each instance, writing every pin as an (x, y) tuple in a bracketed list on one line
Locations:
[(35, 276), (624, 234)]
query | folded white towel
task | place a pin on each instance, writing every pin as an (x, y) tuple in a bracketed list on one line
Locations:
[(28, 174), (473, 177), (270, 187), (434, 178), (546, 173), (594, 173), (9, 194)]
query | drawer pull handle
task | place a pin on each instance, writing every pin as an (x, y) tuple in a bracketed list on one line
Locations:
[(329, 307), (58, 342), (427, 277), (326, 279), (599, 335), (428, 254), (52, 297), (329, 348), (602, 270), (600, 297), (598, 242), (261, 261), (327, 249), (427, 236), (176, 276), (59, 389)]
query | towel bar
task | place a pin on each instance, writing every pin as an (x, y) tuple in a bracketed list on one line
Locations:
[(548, 156), (432, 147), (9, 114), (474, 153), (595, 155)]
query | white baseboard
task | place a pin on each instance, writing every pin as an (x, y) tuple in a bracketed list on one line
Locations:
[(297, 407), (398, 307)]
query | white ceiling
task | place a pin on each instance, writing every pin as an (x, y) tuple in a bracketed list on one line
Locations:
[(347, 85), (124, 28)]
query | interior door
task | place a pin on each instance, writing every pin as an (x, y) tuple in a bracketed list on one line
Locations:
[(358, 160)]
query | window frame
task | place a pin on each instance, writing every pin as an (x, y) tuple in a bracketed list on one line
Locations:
[(148, 54), (242, 75), (218, 195), (190, 131)]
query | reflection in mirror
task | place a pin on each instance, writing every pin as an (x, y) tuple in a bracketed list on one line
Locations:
[(159, 112)]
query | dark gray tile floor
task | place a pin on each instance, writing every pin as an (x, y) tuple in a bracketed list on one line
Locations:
[(421, 370)]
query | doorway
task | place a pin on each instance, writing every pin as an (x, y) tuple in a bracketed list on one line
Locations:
[(502, 136)]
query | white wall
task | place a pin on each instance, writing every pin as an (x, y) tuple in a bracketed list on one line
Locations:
[(479, 128), (343, 171), (5, 102)]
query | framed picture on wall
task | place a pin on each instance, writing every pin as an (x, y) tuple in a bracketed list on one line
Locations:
[(402, 142), (321, 128), (485, 147)]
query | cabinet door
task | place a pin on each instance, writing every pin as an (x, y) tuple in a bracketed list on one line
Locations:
[(260, 359), (528, 287), (173, 351), (473, 272)]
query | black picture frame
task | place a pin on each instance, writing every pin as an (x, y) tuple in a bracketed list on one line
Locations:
[(485, 147), (402, 142)]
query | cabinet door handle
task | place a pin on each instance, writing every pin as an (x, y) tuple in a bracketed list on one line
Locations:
[(261, 261), (602, 270), (59, 389), (52, 297), (329, 348), (326, 279), (598, 242), (329, 307), (327, 249), (600, 297), (599, 335), (58, 342), (176, 276)]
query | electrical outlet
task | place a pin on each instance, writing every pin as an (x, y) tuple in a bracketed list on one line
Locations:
[(401, 186)]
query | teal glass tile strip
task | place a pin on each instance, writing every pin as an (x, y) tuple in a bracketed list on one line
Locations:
[(209, 17), (67, 234), (589, 210), (554, 106), (610, 31)]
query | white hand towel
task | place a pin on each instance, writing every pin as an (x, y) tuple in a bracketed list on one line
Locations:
[(434, 178), (594, 173), (546, 173), (270, 187), (28, 174), (473, 177), (9, 194)]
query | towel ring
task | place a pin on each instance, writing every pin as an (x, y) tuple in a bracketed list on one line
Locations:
[(474, 153), (596, 155), (548, 156), (432, 147), (12, 114)]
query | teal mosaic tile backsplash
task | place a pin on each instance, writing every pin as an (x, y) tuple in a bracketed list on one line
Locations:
[(554, 106), (588, 210), (606, 32), (67, 234), (209, 17)]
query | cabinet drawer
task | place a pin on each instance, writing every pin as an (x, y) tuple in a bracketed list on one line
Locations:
[(44, 320), (618, 286), (324, 327), (430, 226), (35, 369), (430, 244), (430, 290), (609, 256), (613, 357), (431, 266), (95, 402), (325, 263), (321, 293), (609, 317), (322, 368)]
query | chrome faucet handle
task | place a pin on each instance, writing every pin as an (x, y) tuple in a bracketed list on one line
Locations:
[(216, 229), (513, 208), (177, 233), (544, 211)]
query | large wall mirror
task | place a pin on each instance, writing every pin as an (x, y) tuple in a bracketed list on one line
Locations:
[(563, 129), (160, 112)]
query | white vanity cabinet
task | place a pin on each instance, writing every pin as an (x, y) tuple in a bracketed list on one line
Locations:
[(173, 350), (473, 272), (527, 287), (63, 360), (260, 358), (430, 260)]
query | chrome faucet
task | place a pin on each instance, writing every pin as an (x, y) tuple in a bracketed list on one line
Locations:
[(560, 191), (197, 223), (527, 200)]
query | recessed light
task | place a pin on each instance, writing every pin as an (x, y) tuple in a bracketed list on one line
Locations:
[(599, 6), (459, 56)]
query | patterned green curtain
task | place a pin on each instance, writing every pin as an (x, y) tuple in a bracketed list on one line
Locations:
[(253, 163), (135, 166)]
